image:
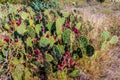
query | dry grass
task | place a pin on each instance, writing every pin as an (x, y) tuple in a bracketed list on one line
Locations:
[(93, 67), (66, 3)]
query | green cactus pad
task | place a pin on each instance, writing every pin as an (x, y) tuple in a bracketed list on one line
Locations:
[(66, 36), (90, 50)]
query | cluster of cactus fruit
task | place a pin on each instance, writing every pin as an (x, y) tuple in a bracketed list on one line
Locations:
[(49, 40)]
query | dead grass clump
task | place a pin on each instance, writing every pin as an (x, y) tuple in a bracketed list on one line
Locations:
[(94, 66)]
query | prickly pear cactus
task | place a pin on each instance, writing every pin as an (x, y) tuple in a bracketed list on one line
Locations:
[(48, 58), (72, 40), (44, 42), (24, 15), (18, 73), (66, 36), (28, 74), (49, 25), (107, 39), (61, 49), (29, 42), (1, 58), (104, 45), (114, 40), (31, 32), (52, 41), (66, 14), (78, 25), (90, 50), (62, 75), (83, 42), (79, 53), (105, 35), (31, 22), (21, 30), (38, 28), (59, 24), (75, 73), (48, 67), (7, 27), (48, 40), (56, 53)]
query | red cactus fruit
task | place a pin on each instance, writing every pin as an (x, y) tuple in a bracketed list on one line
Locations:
[(67, 54), (68, 66), (76, 31), (18, 23), (37, 51), (59, 40), (29, 56), (6, 39), (16, 40), (60, 68), (36, 58), (35, 40), (47, 36), (43, 29), (10, 31), (54, 37)]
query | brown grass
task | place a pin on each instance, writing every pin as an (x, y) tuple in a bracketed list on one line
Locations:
[(93, 67)]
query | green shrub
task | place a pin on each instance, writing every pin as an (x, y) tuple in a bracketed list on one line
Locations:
[(41, 5)]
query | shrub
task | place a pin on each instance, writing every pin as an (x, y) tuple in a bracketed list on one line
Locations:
[(41, 5)]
